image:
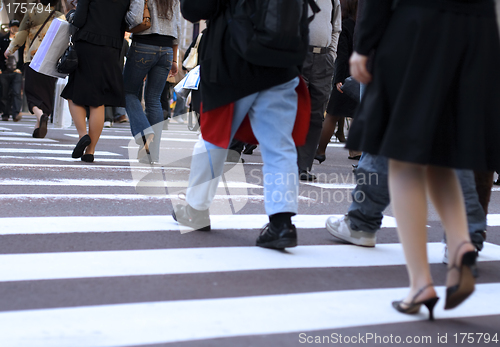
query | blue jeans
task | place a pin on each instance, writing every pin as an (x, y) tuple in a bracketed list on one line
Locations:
[(371, 198), (155, 63), (272, 115)]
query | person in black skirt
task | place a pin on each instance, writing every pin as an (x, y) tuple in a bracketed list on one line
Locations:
[(434, 83), (340, 105), (97, 82), (38, 88)]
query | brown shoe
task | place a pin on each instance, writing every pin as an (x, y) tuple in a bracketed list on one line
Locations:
[(122, 119), (18, 117)]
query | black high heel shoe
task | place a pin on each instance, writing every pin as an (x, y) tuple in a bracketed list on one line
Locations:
[(89, 158), (320, 157), (144, 152), (80, 146), (456, 294), (414, 307)]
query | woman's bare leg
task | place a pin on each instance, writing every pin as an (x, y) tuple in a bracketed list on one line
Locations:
[(79, 115), (38, 113), (446, 195), (407, 184), (96, 123)]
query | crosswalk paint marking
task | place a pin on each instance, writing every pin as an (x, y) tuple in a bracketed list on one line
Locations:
[(112, 183), (25, 139), (125, 197), (50, 151), (81, 224), (88, 166), (174, 321), (51, 266), (115, 137)]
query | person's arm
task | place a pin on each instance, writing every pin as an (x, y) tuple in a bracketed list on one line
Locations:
[(21, 36), (80, 17), (372, 22), (342, 62), (336, 29), (174, 68), (196, 10)]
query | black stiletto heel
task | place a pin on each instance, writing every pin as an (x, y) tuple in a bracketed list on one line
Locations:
[(144, 148), (456, 294), (320, 157), (414, 307)]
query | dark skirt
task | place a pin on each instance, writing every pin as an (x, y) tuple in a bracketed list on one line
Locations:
[(98, 79), (434, 98), (341, 105), (39, 90)]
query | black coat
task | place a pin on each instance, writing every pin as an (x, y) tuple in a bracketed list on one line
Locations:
[(344, 51), (101, 22), (373, 17), (225, 76)]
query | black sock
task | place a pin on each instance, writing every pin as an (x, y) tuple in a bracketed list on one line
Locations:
[(278, 219)]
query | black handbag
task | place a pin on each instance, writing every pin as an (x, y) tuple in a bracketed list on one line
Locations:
[(69, 60), (351, 88)]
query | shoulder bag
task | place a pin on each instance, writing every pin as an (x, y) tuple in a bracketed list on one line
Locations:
[(191, 60), (146, 20)]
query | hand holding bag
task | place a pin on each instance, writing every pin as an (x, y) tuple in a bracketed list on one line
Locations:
[(351, 88), (191, 60), (133, 13)]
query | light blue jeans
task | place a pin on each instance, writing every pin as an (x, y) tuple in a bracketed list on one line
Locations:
[(272, 114), (155, 63)]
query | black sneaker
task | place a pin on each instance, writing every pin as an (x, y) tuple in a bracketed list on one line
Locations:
[(281, 238), (188, 216)]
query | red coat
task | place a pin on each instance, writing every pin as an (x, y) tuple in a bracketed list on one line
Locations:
[(216, 124)]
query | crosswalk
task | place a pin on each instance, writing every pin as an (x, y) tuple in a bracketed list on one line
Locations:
[(95, 263)]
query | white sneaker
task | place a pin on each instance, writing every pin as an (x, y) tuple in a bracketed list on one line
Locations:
[(107, 124), (341, 229), (445, 254)]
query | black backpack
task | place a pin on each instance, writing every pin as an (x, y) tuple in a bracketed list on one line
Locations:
[(273, 33)]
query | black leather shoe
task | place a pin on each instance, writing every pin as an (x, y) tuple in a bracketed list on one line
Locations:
[(277, 238), (307, 176), (43, 125), (188, 216), (89, 158), (80, 146), (249, 149), (36, 133), (320, 157)]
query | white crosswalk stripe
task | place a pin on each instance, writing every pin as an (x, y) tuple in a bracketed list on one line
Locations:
[(50, 177)]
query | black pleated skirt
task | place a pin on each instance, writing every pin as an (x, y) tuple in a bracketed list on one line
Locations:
[(435, 94), (341, 105), (98, 79)]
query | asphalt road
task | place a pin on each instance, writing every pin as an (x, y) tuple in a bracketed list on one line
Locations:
[(89, 256)]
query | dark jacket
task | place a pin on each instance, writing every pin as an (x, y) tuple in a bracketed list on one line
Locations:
[(4, 44), (344, 51), (101, 22), (373, 17), (225, 76)]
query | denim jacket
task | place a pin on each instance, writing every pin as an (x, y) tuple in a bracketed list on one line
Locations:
[(159, 24)]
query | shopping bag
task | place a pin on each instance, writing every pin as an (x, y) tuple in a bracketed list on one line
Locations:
[(191, 81), (53, 45)]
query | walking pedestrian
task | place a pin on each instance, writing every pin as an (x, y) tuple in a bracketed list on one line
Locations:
[(38, 88), (317, 71), (97, 81), (232, 87), (153, 54), (416, 110), (11, 76)]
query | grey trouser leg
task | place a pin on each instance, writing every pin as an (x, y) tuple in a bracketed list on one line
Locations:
[(317, 73)]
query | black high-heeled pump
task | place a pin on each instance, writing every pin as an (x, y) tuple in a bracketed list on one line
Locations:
[(414, 307), (456, 294), (144, 151), (320, 157)]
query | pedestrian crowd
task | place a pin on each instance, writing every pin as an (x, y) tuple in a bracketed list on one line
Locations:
[(411, 78)]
